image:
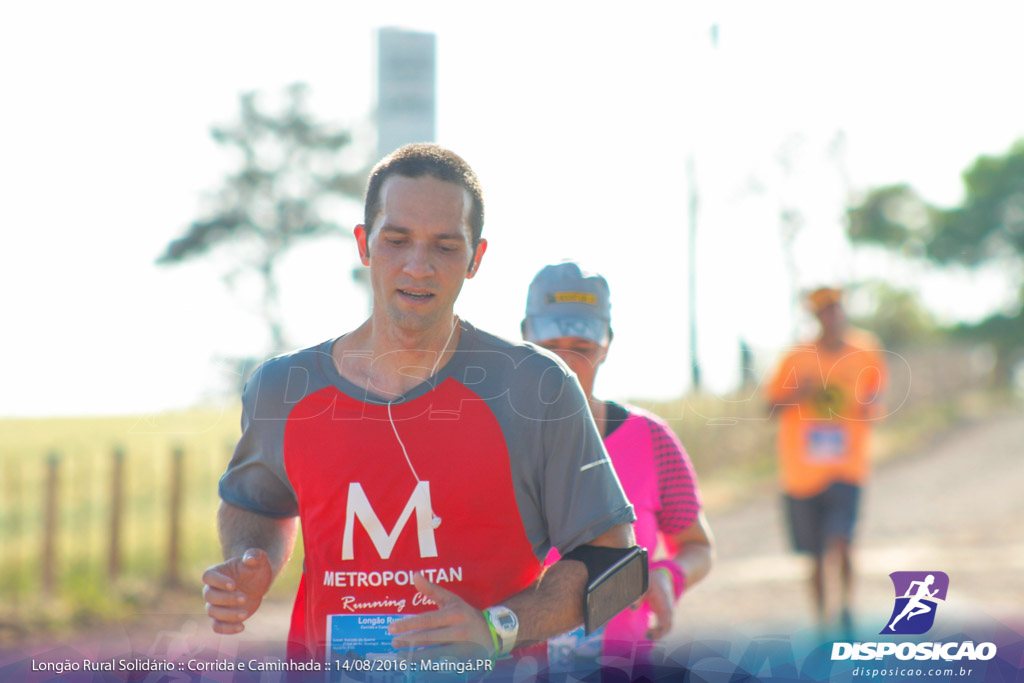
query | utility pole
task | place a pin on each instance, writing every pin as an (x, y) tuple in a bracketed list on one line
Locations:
[(694, 204), (691, 174)]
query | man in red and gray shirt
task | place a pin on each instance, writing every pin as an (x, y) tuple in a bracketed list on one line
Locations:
[(432, 465)]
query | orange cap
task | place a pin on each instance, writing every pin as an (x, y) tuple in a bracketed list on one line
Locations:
[(823, 297)]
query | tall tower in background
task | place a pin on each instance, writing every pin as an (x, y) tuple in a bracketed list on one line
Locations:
[(406, 102), (406, 87)]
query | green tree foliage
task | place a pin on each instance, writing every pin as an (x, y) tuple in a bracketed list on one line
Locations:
[(890, 216), (987, 228), (990, 224), (1004, 335), (290, 166), (897, 316)]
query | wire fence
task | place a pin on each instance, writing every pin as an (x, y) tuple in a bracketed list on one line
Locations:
[(99, 516), (71, 518)]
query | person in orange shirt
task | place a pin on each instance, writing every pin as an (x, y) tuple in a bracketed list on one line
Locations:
[(825, 395)]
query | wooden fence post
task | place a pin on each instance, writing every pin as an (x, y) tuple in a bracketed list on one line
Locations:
[(13, 552), (50, 524), (174, 509), (116, 512)]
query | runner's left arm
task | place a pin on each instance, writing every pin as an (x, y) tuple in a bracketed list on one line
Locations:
[(570, 496), (693, 550), (553, 604), (682, 526)]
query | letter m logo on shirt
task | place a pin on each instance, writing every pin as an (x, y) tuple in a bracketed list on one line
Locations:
[(358, 506)]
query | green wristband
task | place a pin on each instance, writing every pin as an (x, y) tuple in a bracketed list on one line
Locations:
[(494, 634), (671, 579)]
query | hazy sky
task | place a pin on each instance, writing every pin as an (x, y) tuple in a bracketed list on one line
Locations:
[(579, 119)]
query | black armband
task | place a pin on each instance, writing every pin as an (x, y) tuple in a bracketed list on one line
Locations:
[(616, 578)]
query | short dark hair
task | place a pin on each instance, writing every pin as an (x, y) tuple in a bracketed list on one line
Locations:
[(424, 159)]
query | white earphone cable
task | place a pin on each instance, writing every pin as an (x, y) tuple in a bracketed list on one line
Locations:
[(444, 348), (435, 521), (391, 420), (404, 452)]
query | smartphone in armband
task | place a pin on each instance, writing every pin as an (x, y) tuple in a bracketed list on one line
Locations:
[(616, 578)]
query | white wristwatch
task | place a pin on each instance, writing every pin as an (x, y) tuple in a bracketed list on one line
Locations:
[(505, 626)]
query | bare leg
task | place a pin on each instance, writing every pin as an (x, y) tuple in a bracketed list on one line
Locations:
[(818, 587), (845, 557), (836, 569)]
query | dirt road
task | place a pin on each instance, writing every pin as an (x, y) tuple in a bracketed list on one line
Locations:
[(956, 506)]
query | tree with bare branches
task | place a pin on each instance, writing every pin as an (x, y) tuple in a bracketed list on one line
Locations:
[(291, 165)]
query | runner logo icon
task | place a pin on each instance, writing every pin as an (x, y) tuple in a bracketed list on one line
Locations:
[(917, 598)]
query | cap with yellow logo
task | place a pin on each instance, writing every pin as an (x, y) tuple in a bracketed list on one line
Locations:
[(565, 301), (823, 297)]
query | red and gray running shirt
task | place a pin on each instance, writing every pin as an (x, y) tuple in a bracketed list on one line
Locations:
[(504, 451)]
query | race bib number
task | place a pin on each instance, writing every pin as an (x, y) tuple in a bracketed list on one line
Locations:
[(363, 635), (826, 444), (359, 649)]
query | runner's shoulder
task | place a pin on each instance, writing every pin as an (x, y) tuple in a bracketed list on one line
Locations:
[(652, 419), (272, 375), (797, 355), (525, 357), (533, 380), (659, 426), (862, 339)]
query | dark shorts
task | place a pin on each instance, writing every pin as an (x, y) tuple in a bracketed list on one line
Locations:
[(815, 521)]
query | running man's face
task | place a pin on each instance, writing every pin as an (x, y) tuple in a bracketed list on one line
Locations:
[(582, 355), (419, 251), (832, 320)]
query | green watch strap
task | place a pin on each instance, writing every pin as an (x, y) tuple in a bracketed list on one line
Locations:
[(494, 633)]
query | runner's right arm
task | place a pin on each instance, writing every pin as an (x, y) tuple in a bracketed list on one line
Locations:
[(258, 515), (780, 393), (256, 547)]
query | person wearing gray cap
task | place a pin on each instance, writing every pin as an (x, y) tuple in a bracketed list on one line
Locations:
[(568, 312)]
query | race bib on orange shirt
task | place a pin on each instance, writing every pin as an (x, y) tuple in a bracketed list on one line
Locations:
[(826, 444)]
